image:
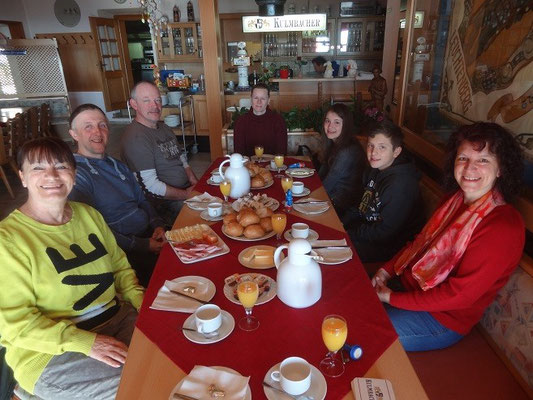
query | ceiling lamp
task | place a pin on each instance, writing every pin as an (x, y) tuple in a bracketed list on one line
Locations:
[(152, 14), (270, 8)]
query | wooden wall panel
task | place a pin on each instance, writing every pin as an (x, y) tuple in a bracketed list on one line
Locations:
[(79, 59)]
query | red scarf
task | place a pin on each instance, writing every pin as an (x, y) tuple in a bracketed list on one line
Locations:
[(444, 239)]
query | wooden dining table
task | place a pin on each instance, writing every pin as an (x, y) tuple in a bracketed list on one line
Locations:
[(150, 374)]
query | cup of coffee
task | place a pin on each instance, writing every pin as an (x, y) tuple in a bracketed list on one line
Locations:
[(208, 318), (300, 230), (216, 177), (294, 375), (298, 187), (214, 210)]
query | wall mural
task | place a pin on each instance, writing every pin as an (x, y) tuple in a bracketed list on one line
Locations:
[(489, 70)]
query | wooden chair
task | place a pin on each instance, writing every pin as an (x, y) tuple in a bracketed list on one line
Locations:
[(4, 159), (44, 121), (32, 123), (15, 139)]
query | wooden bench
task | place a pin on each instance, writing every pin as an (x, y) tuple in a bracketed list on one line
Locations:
[(488, 363)]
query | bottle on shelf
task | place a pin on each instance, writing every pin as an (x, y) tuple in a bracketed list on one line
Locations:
[(190, 12), (176, 13)]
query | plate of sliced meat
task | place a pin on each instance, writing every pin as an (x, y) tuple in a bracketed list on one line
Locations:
[(196, 243), (267, 287)]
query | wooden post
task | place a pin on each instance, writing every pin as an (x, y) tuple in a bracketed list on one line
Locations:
[(212, 57)]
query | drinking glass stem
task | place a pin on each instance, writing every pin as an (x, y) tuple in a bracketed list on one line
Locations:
[(248, 312)]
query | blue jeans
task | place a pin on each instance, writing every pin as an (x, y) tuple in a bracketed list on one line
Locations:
[(419, 331)]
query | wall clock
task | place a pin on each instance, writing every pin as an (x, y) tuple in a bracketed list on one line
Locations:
[(67, 12)]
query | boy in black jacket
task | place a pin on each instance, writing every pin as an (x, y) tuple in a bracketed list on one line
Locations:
[(391, 211)]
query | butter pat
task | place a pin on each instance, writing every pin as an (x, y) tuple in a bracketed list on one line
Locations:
[(259, 256)]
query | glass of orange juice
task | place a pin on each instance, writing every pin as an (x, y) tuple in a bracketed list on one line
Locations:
[(259, 150), (334, 333), (225, 189), (247, 292), (279, 222), (278, 160), (286, 183)]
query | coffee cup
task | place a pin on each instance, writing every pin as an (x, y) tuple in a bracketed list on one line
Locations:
[(294, 375), (273, 164), (216, 177), (214, 210), (297, 187), (208, 318), (300, 230)]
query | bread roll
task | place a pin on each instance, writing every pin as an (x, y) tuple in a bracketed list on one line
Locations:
[(231, 217), (254, 231), (266, 224), (234, 229), (258, 181), (248, 218), (263, 212), (266, 175)]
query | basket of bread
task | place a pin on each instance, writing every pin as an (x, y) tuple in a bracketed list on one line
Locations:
[(261, 177), (249, 224), (196, 243)]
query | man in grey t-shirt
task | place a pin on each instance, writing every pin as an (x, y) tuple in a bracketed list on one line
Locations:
[(151, 150)]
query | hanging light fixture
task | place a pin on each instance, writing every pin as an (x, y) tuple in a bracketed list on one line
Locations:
[(151, 14)]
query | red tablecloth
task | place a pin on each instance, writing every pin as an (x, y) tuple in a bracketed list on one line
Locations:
[(275, 191), (284, 331)]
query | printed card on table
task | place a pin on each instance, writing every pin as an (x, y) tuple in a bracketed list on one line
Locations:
[(372, 389)]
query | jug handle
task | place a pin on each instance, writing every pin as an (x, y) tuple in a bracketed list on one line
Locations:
[(277, 254), (220, 168)]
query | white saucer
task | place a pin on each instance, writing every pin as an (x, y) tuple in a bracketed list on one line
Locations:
[(310, 208), (205, 215), (313, 235), (306, 192), (228, 324), (282, 168), (317, 390), (247, 396), (264, 158), (333, 256), (212, 183)]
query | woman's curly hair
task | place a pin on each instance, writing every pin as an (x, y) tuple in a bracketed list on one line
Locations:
[(501, 143)]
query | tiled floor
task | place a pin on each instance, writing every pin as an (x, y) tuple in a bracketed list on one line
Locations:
[(199, 163)]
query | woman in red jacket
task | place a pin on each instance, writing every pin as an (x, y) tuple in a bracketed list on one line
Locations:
[(443, 281)]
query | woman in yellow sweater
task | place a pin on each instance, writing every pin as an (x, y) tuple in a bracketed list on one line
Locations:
[(64, 329)]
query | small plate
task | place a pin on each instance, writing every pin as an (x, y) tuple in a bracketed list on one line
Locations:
[(228, 324), (245, 239), (306, 192), (210, 182), (247, 396), (251, 264), (265, 297), (317, 390), (334, 256), (313, 235), (311, 209), (300, 172), (205, 215), (282, 168), (263, 187), (168, 301), (201, 202), (264, 158)]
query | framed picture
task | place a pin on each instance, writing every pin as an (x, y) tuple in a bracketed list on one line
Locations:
[(419, 19)]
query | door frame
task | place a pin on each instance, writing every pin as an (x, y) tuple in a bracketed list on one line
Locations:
[(123, 40)]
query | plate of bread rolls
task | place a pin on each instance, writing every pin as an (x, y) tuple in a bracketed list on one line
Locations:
[(261, 178), (248, 224)]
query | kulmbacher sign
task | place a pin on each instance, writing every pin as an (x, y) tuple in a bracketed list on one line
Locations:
[(285, 23)]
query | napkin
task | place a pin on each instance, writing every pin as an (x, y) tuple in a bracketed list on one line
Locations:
[(203, 200), (168, 301), (196, 384), (328, 243), (311, 208)]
